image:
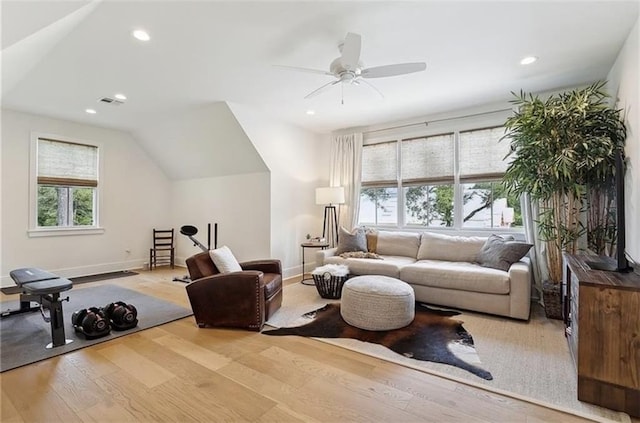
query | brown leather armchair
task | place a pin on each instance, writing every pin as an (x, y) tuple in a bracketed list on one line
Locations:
[(243, 299)]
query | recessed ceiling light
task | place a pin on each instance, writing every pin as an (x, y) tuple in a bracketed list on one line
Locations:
[(90, 111), (120, 96), (141, 35), (311, 112), (528, 60)]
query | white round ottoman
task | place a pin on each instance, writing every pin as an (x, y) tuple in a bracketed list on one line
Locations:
[(375, 302)]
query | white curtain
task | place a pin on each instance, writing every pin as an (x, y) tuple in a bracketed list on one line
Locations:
[(345, 171), (537, 253)]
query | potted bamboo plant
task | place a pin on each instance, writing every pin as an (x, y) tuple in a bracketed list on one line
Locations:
[(561, 147)]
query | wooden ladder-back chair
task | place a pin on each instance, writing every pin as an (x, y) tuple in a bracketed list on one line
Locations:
[(163, 251)]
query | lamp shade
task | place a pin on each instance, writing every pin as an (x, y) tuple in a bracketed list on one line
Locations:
[(330, 195)]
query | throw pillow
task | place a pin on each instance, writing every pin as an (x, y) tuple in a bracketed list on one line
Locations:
[(351, 241), (360, 254), (500, 253), (224, 260), (372, 240)]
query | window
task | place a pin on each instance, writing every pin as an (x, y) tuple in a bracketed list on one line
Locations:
[(378, 206), (66, 185), (482, 164), (379, 194), (427, 178), (486, 205), (449, 179)]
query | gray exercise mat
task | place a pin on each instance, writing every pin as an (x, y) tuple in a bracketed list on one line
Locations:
[(23, 337)]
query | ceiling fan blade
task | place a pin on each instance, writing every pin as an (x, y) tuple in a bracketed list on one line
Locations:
[(320, 72), (322, 88), (351, 51), (372, 86), (393, 70)]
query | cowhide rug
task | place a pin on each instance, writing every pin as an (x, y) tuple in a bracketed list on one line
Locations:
[(432, 336)]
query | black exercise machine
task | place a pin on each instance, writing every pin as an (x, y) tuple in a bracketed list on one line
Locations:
[(43, 288), (190, 231)]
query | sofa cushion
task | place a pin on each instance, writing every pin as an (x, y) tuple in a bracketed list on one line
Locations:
[(388, 266), (398, 243), (456, 275), (500, 253), (351, 241), (435, 246)]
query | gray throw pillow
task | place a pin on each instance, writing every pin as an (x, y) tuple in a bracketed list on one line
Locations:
[(351, 241), (501, 253)]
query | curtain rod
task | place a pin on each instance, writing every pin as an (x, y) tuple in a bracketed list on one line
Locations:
[(426, 123)]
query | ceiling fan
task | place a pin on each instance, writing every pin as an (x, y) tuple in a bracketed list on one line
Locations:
[(347, 69)]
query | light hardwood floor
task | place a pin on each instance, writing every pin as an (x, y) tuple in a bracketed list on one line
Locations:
[(177, 372)]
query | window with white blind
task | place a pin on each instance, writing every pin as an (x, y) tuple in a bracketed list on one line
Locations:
[(482, 162), (452, 179), (65, 193), (427, 175), (380, 164), (379, 193), (482, 154), (427, 159)]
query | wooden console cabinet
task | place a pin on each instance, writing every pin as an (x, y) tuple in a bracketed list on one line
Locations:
[(602, 320)]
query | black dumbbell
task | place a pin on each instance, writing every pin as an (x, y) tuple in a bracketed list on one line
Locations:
[(91, 322), (122, 316)]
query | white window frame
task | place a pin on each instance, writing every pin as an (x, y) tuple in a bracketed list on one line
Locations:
[(37, 231), (435, 127)]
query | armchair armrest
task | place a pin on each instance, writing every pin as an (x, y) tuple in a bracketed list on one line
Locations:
[(229, 300), (264, 266)]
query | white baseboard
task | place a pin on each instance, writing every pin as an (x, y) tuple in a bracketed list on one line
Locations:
[(295, 271)]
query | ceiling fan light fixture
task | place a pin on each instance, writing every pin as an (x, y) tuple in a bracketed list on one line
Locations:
[(348, 69), (120, 96), (528, 60)]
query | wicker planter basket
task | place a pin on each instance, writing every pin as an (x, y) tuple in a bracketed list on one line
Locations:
[(552, 299), (328, 285)]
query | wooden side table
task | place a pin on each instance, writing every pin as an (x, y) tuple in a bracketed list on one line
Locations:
[(304, 245)]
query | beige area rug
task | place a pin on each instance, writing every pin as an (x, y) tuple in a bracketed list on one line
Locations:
[(528, 360)]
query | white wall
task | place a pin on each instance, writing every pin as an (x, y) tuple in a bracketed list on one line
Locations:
[(623, 83), (260, 214), (200, 142), (135, 195), (217, 177), (239, 204), (299, 162)]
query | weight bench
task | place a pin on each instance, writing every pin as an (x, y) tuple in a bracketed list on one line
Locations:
[(43, 288)]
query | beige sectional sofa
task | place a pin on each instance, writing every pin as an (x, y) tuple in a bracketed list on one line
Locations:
[(444, 270)]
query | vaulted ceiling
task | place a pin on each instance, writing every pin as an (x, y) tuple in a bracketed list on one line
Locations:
[(60, 57)]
